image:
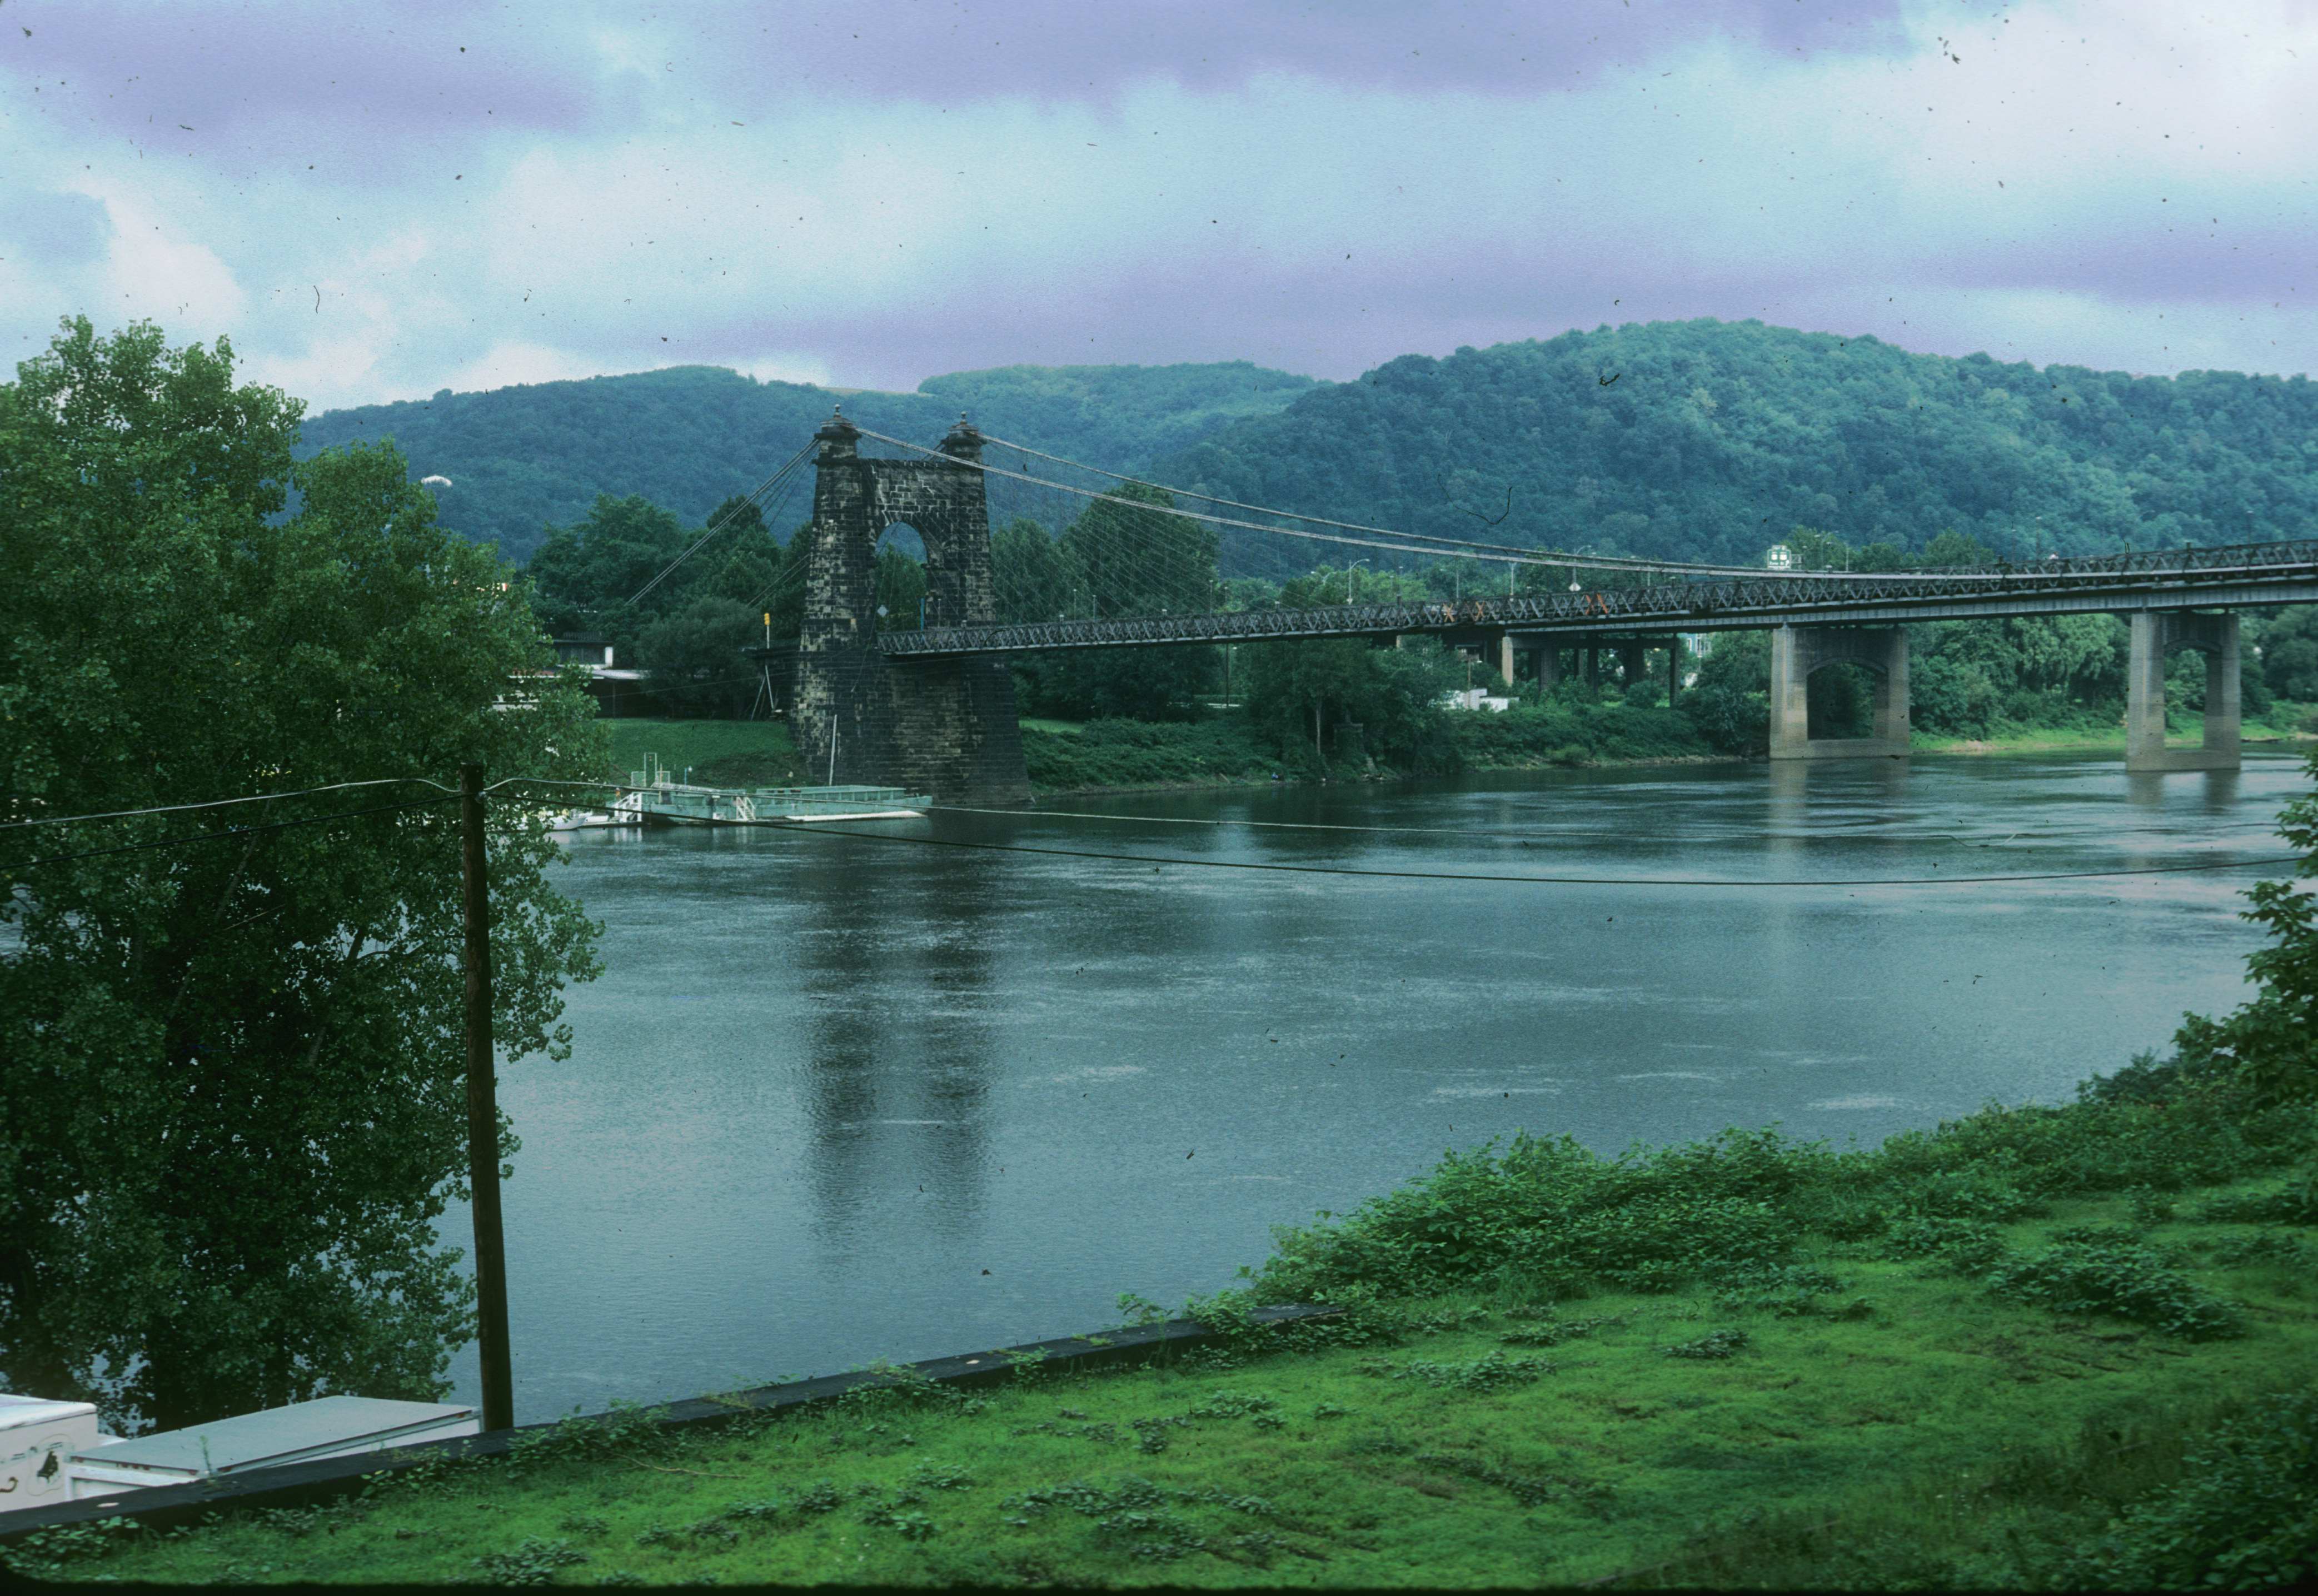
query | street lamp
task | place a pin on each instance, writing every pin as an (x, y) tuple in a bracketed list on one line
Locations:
[(1353, 580)]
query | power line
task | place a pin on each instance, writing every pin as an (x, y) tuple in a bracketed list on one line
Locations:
[(116, 814), (1035, 815), (139, 848), (826, 828), (1482, 834)]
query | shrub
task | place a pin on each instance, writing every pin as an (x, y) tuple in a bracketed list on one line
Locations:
[(1960, 1243), (535, 1562), (2120, 1279), (2244, 1517), (1487, 1373), (1713, 1344), (1788, 1291), (2297, 1203)]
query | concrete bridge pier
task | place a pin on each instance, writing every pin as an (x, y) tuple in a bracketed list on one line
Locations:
[(1798, 651), (2156, 637), (1630, 662)]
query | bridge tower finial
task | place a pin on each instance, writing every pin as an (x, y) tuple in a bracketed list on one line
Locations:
[(837, 434), (963, 441)]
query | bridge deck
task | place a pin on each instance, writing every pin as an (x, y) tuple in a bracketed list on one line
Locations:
[(2231, 577)]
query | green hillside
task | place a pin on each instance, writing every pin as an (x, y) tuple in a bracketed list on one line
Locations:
[(1707, 439), (520, 459)]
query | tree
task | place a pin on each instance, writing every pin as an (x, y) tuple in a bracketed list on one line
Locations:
[(901, 589), (742, 562), (1138, 561), (232, 1100), (585, 576), (1730, 701), (2289, 654), (695, 660), (2270, 1043), (1031, 577), (1297, 690)]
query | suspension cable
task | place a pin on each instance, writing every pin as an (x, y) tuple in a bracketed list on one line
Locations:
[(1408, 543), (733, 514)]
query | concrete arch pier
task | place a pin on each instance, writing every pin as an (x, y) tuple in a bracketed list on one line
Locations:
[(1797, 651), (2158, 635)]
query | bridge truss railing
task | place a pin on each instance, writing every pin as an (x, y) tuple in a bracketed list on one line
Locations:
[(1660, 606)]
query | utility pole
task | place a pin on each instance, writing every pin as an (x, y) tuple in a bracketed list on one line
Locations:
[(483, 1118)]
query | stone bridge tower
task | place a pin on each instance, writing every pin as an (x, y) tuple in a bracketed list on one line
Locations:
[(943, 727)]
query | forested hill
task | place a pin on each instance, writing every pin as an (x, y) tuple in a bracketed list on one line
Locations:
[(521, 458), (1708, 439)]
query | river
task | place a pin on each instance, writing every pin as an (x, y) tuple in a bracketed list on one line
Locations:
[(837, 1100)]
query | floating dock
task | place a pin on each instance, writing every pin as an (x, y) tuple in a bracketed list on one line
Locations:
[(677, 804), (655, 798)]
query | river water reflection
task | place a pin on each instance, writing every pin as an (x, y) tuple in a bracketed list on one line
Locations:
[(837, 1100)]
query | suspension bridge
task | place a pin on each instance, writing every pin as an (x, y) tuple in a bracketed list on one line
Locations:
[(931, 707)]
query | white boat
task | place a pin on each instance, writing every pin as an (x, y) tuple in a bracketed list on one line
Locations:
[(52, 1452)]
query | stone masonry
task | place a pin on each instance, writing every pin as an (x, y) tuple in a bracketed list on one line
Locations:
[(944, 727)]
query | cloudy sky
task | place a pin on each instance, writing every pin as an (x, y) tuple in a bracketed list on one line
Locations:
[(375, 201)]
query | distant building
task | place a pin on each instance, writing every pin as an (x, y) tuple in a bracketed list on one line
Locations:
[(584, 648), (1477, 698), (616, 692)]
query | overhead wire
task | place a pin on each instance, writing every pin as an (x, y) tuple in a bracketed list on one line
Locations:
[(118, 814), (139, 847), (838, 829), (1477, 834), (831, 829)]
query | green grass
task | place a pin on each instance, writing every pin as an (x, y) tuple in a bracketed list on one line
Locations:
[(2282, 720), (720, 753), (1910, 1422)]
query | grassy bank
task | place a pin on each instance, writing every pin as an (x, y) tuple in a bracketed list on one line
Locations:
[(2281, 722), (1096, 756), (1952, 1362)]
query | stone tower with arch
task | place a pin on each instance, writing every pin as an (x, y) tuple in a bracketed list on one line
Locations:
[(944, 727)]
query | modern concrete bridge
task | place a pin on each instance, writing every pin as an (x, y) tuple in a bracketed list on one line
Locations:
[(933, 708)]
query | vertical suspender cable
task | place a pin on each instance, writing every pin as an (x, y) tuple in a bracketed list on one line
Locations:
[(483, 1117)]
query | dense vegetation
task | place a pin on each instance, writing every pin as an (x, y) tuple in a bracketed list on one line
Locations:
[(525, 458), (1703, 440)]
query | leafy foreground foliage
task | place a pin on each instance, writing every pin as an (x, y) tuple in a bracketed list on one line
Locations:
[(232, 1101), (1739, 1362)]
